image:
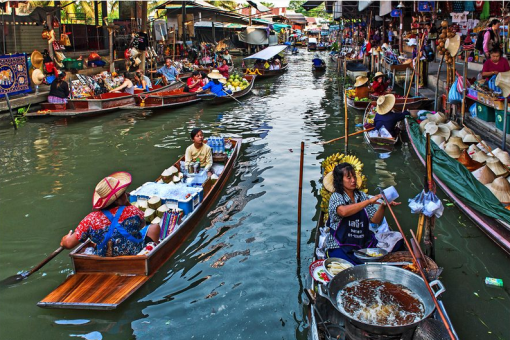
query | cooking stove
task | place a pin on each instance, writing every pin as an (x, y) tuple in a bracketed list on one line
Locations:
[(355, 333)]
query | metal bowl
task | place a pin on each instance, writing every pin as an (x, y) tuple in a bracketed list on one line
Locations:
[(362, 254), (328, 261)]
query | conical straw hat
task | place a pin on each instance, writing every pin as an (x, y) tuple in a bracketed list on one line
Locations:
[(328, 182), (503, 82), (471, 139), (452, 125), (452, 150), (443, 131), (422, 125), (473, 148), (442, 145), (110, 188), (504, 157), (458, 141), (496, 166), (385, 104), (430, 128), (452, 45), (479, 156), (36, 59), (501, 189), (37, 76), (485, 175), (464, 133), (482, 147), (496, 151), (437, 139), (456, 133), (469, 163), (360, 81), (437, 117)]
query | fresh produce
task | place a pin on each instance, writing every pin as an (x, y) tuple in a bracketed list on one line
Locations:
[(336, 267), (236, 82)]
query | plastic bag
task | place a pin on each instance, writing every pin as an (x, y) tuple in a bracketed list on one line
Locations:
[(454, 96), (432, 206), (416, 203), (472, 110)]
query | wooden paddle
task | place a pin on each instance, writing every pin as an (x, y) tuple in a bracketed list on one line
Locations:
[(350, 135), (18, 277)]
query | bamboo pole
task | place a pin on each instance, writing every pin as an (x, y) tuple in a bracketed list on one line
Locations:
[(350, 135), (300, 196), (463, 109), (436, 101), (346, 146)]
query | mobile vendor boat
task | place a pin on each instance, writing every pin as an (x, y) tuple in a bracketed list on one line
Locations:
[(468, 194), (379, 144), (265, 55), (211, 98), (163, 100), (360, 105), (105, 282)]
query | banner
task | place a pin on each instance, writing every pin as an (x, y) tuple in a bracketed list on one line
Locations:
[(14, 74)]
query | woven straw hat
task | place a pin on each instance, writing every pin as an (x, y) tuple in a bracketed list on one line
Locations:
[(484, 175), (360, 81), (503, 82), (501, 189), (473, 148), (504, 157), (378, 74), (468, 162), (422, 125), (328, 182), (452, 150), (452, 125), (437, 117), (385, 104), (442, 130), (431, 128), (36, 58), (482, 147), (437, 139), (496, 151), (456, 133), (463, 133), (479, 156), (215, 74), (110, 189), (496, 166), (458, 141), (471, 139), (37, 76), (452, 45)]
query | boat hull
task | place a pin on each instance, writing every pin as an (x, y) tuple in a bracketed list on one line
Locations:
[(378, 144), (225, 99)]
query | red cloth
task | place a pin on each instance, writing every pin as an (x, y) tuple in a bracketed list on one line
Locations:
[(223, 70), (190, 83), (379, 88), (501, 66)]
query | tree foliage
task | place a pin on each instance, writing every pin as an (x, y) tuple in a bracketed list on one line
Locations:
[(319, 11)]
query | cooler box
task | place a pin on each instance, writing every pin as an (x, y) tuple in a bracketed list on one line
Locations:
[(485, 113), (499, 120)]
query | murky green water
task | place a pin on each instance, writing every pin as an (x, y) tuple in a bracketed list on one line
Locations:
[(236, 277)]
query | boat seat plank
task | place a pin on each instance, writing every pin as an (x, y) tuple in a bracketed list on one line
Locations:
[(93, 291)]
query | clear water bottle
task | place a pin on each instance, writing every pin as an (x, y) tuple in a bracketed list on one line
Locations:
[(216, 146), (212, 144), (222, 145)]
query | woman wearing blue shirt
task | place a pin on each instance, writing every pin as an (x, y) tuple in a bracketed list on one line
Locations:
[(215, 86)]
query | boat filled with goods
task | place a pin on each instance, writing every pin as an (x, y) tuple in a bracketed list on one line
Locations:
[(238, 84), (177, 201), (380, 141)]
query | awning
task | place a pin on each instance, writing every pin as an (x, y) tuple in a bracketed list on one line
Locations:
[(278, 27), (268, 52)]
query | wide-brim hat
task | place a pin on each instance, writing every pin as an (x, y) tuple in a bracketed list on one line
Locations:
[(463, 133), (471, 139), (360, 81), (456, 133), (496, 151), (385, 103), (430, 128), (473, 148), (452, 45), (37, 76), (482, 147), (215, 74), (110, 188), (452, 150), (437, 139), (484, 175), (468, 162), (452, 125), (458, 141), (504, 157), (496, 166), (442, 130), (423, 123), (501, 189), (437, 117), (378, 74), (503, 82), (328, 182), (36, 58), (479, 156)]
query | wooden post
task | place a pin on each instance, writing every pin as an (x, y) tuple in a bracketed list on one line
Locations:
[(300, 196), (436, 101), (175, 37), (346, 123), (144, 30), (10, 111)]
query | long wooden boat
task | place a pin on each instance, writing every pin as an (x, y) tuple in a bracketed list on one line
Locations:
[(360, 105), (321, 47), (105, 282), (263, 73), (379, 144), (321, 68), (100, 104), (266, 54), (163, 100), (215, 100), (495, 229)]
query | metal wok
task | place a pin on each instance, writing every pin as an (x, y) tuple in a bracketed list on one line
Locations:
[(391, 274)]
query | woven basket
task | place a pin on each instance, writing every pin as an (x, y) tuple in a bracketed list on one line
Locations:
[(432, 270)]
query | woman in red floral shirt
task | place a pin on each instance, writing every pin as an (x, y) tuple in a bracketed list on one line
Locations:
[(117, 228)]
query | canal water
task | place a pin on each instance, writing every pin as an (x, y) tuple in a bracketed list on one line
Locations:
[(236, 276)]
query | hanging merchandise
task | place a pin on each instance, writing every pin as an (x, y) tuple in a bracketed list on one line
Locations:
[(143, 41), (458, 6), (426, 6), (426, 203), (485, 11), (479, 5), (469, 6)]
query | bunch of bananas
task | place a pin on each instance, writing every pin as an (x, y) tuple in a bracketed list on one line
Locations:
[(329, 163)]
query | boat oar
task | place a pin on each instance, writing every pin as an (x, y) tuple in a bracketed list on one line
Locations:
[(231, 96), (350, 135), (18, 277)]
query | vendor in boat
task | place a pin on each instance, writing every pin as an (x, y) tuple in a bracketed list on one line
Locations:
[(228, 57), (169, 72), (386, 117), (259, 64), (203, 77), (361, 87), (496, 64), (194, 83), (275, 65), (380, 86), (127, 85), (223, 68), (199, 150), (116, 227), (350, 213), (59, 90), (317, 61), (143, 82), (214, 85)]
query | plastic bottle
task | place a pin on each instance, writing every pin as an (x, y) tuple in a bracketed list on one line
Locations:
[(222, 143)]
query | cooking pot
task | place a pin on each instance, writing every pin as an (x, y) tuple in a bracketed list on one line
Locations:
[(391, 274)]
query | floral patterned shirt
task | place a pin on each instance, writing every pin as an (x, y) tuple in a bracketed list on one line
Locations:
[(96, 225)]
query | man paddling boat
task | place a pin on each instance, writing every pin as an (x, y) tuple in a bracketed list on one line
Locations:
[(116, 227)]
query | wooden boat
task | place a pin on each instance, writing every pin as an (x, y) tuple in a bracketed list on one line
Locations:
[(321, 47), (100, 104), (215, 100), (496, 229), (266, 54), (163, 100), (263, 73), (379, 144), (105, 282), (360, 105), (320, 68)]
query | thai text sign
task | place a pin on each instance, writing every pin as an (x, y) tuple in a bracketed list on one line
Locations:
[(14, 74)]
